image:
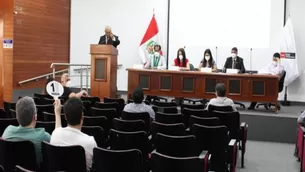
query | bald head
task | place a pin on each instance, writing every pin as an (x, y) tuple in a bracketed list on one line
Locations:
[(108, 31)]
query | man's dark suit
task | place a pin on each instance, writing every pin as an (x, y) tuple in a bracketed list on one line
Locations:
[(239, 64), (110, 41)]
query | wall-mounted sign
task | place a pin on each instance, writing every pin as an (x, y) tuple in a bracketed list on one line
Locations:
[(8, 43)]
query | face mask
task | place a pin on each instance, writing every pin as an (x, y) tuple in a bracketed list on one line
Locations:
[(234, 55), (274, 63), (157, 54), (68, 84), (180, 57), (207, 58)]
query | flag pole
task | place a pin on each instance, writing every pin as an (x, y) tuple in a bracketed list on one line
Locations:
[(285, 102)]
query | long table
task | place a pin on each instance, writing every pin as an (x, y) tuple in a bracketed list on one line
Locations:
[(196, 84)]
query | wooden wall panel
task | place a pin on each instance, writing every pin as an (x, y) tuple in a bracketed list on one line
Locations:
[(7, 8), (41, 37)]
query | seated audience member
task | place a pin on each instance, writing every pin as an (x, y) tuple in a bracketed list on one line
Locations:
[(274, 68), (138, 105), (72, 135), (66, 83), (26, 115), (181, 60), (156, 60), (235, 62), (221, 99), (208, 61), (50, 79)]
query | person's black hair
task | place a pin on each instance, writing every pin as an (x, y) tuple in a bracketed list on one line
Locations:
[(204, 61), (277, 55), (234, 49), (49, 79), (73, 109), (138, 95), (183, 59), (220, 90), (157, 45)]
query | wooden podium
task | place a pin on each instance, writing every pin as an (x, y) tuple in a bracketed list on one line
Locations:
[(103, 71)]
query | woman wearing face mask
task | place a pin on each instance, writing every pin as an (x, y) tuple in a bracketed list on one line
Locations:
[(156, 60), (181, 60), (208, 61)]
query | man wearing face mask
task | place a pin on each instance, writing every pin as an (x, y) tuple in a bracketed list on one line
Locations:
[(66, 83), (274, 68), (234, 62), (156, 60)]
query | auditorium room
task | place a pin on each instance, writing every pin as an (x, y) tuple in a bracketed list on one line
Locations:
[(152, 86)]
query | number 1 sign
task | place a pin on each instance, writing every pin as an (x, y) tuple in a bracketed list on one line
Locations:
[(55, 89)]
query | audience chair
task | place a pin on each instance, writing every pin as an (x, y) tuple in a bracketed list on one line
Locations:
[(169, 118), (129, 125), (187, 113), (238, 131), (93, 100), (121, 104), (1, 168), (215, 139), (48, 126), (220, 108), (178, 146), (192, 106), (50, 117), (164, 104), (281, 87), (195, 101), (105, 160), (13, 113), (14, 153), (7, 106), (21, 169), (98, 134), (49, 101), (5, 122), (172, 109), (87, 108), (164, 163), (44, 108), (108, 113), (2, 113), (109, 105), (145, 101), (207, 121), (168, 129), (42, 96), (151, 98), (144, 116), (63, 158), (120, 140)]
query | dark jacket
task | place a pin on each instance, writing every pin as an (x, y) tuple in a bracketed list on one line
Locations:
[(238, 65), (110, 41)]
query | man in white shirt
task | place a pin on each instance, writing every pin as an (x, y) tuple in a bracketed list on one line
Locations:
[(156, 60), (274, 68), (221, 99), (72, 135)]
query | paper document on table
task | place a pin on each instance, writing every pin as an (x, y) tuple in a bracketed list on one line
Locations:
[(206, 69), (232, 71), (173, 68), (138, 66)]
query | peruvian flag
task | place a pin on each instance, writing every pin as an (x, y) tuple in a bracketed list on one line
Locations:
[(151, 38)]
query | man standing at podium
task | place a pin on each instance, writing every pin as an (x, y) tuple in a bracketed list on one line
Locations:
[(109, 38)]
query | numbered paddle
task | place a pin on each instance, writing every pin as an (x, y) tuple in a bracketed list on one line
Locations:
[(55, 89)]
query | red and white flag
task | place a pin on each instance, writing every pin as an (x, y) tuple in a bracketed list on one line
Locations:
[(151, 38)]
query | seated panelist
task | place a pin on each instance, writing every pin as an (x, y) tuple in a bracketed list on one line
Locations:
[(181, 61), (234, 62), (208, 61), (156, 60), (274, 68)]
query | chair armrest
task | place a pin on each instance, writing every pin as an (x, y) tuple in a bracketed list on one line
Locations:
[(150, 137), (206, 157), (188, 131), (244, 131), (232, 154), (232, 143)]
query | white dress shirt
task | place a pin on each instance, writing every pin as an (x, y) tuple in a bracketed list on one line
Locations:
[(275, 69), (221, 101), (152, 58), (70, 136)]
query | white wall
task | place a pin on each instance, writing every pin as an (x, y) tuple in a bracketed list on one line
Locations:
[(128, 19), (295, 9)]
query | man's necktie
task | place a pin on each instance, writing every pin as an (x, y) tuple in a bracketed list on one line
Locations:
[(234, 64)]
